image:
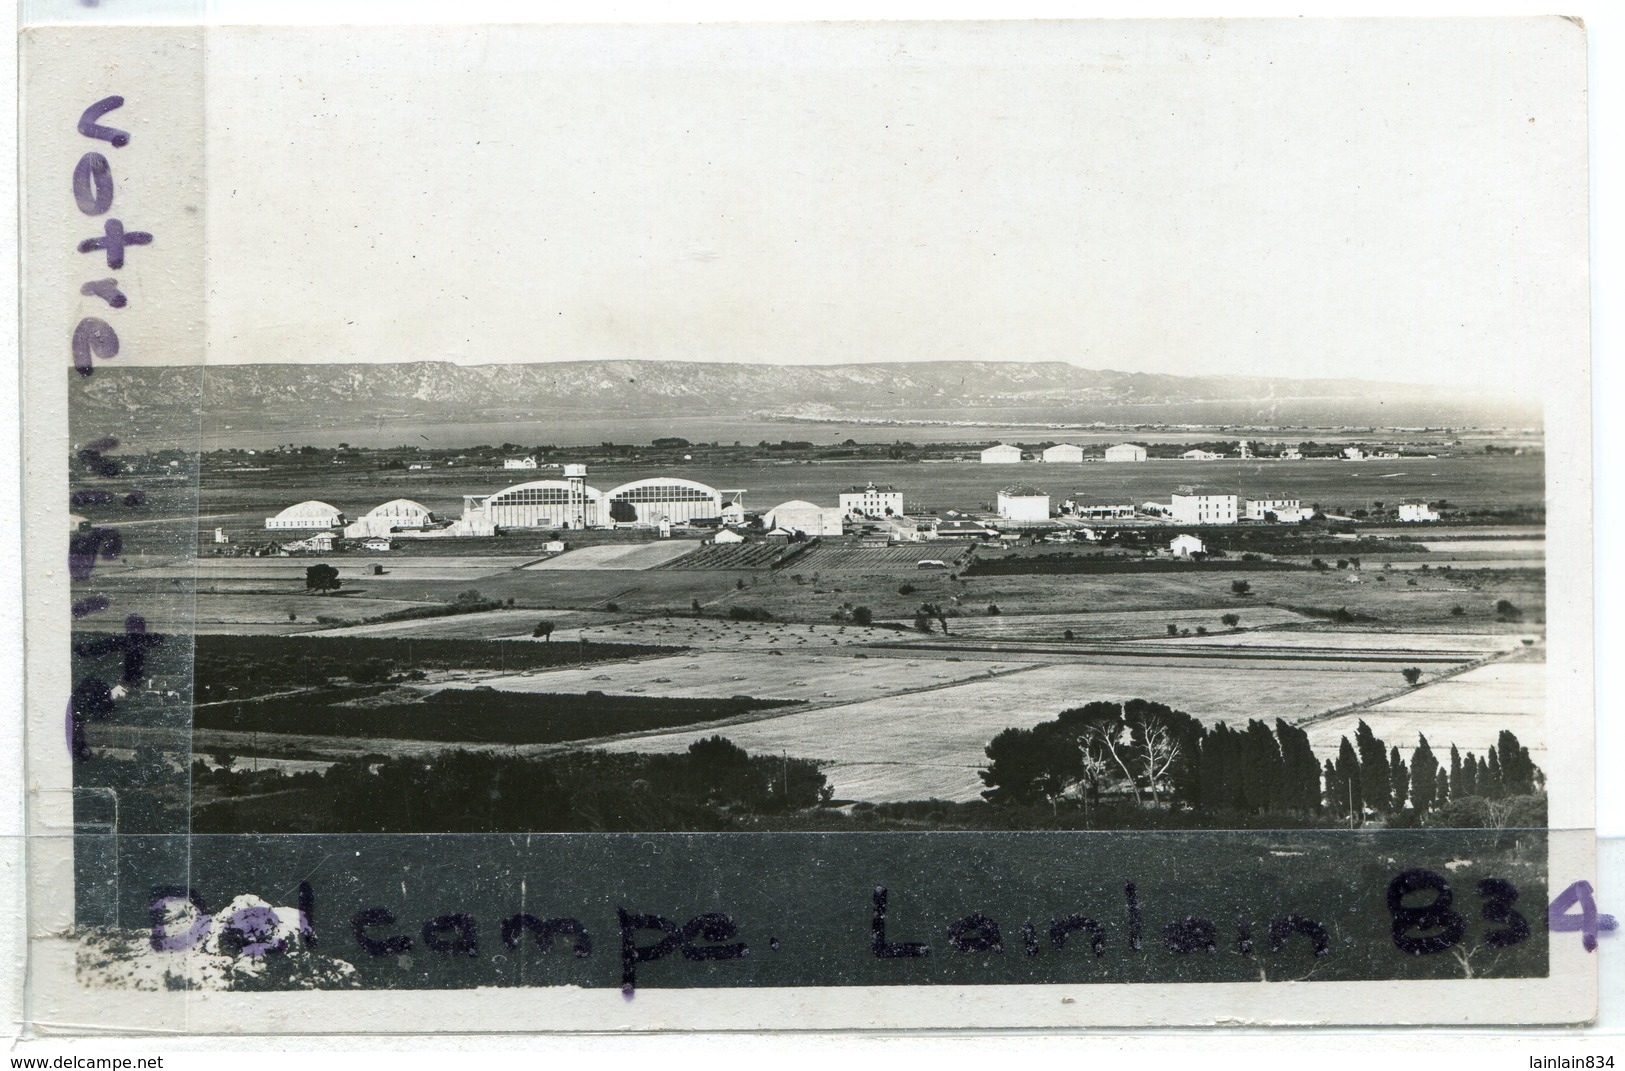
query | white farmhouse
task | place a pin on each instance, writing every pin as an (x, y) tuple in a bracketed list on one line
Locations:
[(1201, 455), (519, 463), (1021, 502), (1002, 454), (1201, 506), (1353, 453), (1125, 452), (727, 535), (1063, 452), (1416, 513), (1186, 546)]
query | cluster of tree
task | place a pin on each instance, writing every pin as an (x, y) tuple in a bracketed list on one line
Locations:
[(1369, 778), (714, 785), (1152, 754)]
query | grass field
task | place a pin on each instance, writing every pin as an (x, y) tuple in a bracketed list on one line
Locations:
[(1435, 643)]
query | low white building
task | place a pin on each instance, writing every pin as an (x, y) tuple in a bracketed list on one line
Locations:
[(519, 463), (1201, 455), (1417, 512), (1002, 454), (1285, 510), (727, 535), (1081, 507), (1200, 506), (804, 517), (1021, 502), (320, 543), (1291, 453), (1063, 452), (1125, 452), (1353, 453), (220, 536), (1186, 546), (377, 543), (872, 501)]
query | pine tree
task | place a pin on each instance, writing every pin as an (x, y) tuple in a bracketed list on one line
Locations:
[(1399, 776), (1424, 775), (1373, 768)]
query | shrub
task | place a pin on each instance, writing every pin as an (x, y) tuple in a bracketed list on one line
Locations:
[(1173, 629), (1230, 620), (1411, 675), (613, 607), (1457, 611), (907, 589), (1240, 587), (1067, 635), (993, 609), (1201, 630), (862, 615)]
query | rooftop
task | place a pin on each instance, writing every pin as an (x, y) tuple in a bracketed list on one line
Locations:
[(1023, 490)]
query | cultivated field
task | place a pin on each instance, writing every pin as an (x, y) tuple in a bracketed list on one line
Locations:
[(1437, 643), (917, 747), (821, 679), (1468, 710), (485, 625), (1106, 625), (832, 558)]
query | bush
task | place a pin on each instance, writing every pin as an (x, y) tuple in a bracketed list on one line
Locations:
[(1411, 675), (1457, 611), (1240, 587), (862, 615), (1230, 620), (907, 589), (1173, 629), (1067, 635), (993, 609), (613, 607)]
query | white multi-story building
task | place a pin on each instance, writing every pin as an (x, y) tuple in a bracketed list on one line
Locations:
[(1020, 502), (1417, 512), (1125, 452), (1064, 452), (1002, 454), (872, 501), (519, 463), (1201, 506)]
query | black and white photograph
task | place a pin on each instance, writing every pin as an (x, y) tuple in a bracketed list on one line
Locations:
[(620, 511)]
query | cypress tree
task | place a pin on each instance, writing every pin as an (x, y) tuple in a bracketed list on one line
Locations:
[(1352, 802), (1424, 775), (1334, 787), (1399, 776), (1469, 776), (1262, 768), (1373, 768), (1456, 774), (1300, 770), (1489, 779)]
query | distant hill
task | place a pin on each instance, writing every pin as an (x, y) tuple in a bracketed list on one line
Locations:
[(291, 395)]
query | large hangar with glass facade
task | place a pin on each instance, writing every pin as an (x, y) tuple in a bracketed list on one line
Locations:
[(537, 504), (663, 498)]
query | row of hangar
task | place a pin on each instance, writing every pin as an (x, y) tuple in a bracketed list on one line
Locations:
[(537, 504)]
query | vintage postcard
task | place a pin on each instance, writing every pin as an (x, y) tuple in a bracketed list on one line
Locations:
[(806, 526)]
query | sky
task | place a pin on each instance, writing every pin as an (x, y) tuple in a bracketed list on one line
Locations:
[(1393, 200)]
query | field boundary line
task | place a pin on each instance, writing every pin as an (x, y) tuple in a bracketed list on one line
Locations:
[(1365, 704)]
